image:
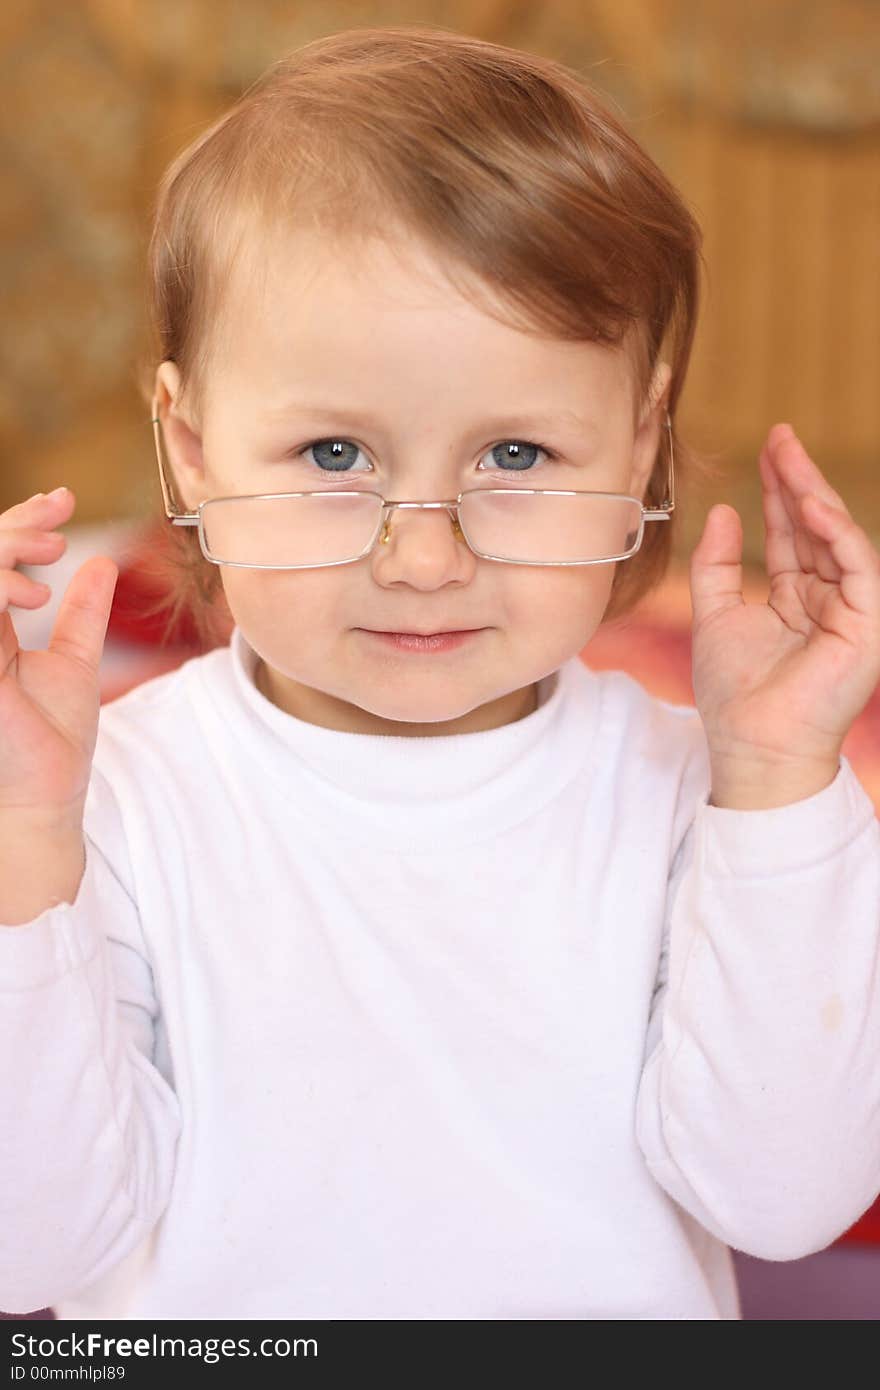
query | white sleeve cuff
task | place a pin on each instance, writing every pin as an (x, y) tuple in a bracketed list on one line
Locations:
[(783, 839), (64, 937)]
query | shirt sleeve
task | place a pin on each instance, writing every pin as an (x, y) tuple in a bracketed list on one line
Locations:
[(88, 1123), (758, 1108)]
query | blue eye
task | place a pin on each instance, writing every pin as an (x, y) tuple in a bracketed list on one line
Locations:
[(337, 455), (334, 455), (518, 455)]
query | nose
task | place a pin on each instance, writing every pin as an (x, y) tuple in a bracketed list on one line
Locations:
[(422, 559)]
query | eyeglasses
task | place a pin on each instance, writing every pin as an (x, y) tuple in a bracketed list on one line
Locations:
[(525, 526)]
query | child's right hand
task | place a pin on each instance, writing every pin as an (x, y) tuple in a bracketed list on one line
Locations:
[(49, 700)]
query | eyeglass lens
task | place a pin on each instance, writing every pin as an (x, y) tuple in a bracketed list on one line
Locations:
[(313, 529)]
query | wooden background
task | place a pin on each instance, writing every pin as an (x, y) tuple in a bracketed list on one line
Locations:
[(766, 114)]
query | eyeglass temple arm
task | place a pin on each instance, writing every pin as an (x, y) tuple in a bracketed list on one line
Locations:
[(665, 510), (179, 518), (661, 513)]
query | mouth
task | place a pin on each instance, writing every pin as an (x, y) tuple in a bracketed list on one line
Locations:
[(414, 632), (424, 642)]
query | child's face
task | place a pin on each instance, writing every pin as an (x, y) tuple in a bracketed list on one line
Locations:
[(378, 351)]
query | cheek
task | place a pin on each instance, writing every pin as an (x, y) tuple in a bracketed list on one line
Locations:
[(288, 604), (562, 595)]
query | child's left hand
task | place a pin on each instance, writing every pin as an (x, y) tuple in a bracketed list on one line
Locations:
[(778, 684)]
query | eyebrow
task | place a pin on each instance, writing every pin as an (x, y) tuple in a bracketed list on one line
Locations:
[(523, 420)]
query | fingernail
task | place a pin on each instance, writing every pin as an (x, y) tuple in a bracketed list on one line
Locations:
[(58, 492)]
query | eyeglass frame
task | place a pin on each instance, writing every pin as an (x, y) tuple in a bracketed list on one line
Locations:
[(178, 518)]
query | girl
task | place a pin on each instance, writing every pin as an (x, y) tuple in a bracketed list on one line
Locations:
[(387, 962)]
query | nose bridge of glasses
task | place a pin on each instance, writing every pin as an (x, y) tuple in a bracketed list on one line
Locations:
[(389, 507)]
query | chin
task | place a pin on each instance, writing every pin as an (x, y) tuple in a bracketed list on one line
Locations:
[(425, 713), (426, 706)]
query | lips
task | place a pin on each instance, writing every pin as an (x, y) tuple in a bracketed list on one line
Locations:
[(425, 642), (417, 632)]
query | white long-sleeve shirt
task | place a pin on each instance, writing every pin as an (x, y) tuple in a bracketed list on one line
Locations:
[(500, 1025)]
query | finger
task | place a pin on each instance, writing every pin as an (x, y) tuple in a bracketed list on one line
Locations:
[(84, 612), (779, 531), (793, 548), (9, 646), (43, 509), (853, 552), (716, 564), (804, 474), (19, 591), (797, 476), (29, 545), (790, 548)]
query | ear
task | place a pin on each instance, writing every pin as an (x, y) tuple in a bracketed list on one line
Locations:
[(182, 443), (650, 430)]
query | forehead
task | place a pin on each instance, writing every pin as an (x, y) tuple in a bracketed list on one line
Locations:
[(381, 313)]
